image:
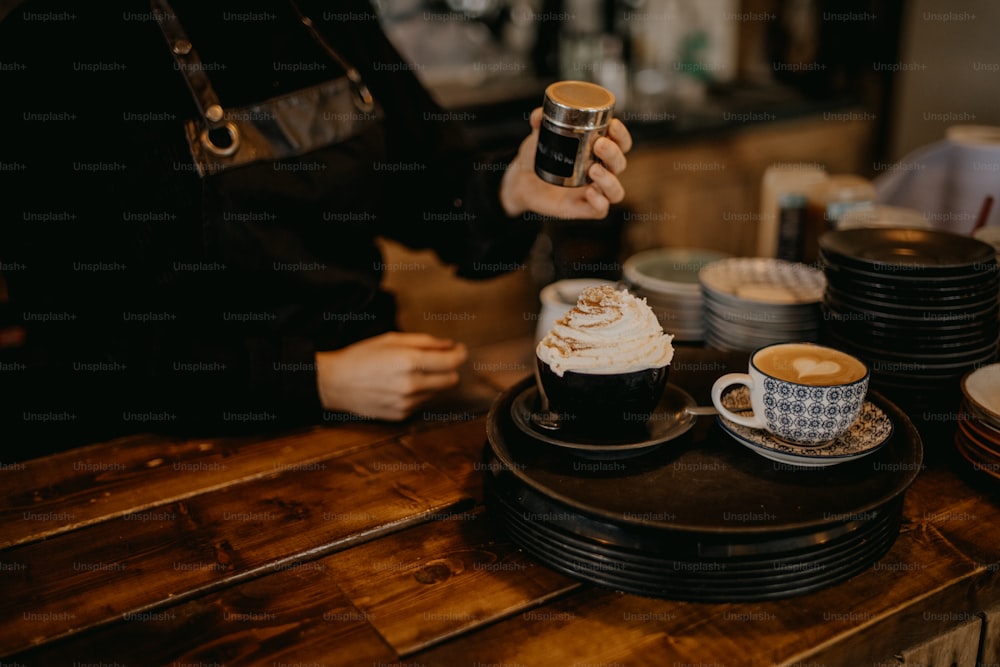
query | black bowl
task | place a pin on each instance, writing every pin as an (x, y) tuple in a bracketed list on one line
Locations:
[(603, 403)]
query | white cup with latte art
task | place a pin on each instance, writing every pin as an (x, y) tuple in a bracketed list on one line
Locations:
[(803, 393)]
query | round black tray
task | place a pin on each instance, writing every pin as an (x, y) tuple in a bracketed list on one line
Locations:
[(701, 518)]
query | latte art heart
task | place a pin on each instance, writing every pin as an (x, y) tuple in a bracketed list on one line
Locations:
[(813, 368), (809, 364)]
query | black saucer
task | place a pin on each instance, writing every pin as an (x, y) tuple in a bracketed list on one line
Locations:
[(673, 416)]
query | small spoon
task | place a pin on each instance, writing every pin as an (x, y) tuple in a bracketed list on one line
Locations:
[(544, 418)]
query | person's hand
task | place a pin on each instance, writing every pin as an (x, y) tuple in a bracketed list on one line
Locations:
[(387, 376), (522, 190)]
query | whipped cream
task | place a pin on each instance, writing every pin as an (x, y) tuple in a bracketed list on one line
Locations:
[(607, 331)]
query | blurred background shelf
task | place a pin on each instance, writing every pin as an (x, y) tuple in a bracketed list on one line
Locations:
[(851, 85)]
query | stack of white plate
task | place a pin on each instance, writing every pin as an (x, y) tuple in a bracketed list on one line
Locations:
[(668, 279), (755, 301), (978, 434)]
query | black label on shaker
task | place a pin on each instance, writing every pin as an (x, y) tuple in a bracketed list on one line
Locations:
[(556, 154)]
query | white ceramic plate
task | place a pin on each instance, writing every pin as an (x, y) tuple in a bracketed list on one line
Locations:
[(668, 270), (767, 280), (982, 389)]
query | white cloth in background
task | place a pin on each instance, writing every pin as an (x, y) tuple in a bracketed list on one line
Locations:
[(948, 180)]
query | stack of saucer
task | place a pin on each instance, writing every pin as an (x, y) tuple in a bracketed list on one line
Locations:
[(755, 301), (668, 279), (919, 306), (978, 436), (989, 235)]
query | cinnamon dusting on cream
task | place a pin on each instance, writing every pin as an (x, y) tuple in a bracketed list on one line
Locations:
[(607, 331)]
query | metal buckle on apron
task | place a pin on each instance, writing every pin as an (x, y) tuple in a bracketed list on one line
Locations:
[(222, 139), (365, 100), (277, 128)]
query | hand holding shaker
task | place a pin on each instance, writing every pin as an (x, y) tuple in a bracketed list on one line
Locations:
[(574, 115), (803, 393)]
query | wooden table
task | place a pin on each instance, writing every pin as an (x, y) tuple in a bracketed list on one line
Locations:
[(366, 543)]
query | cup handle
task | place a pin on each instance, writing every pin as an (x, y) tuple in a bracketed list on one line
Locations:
[(753, 421)]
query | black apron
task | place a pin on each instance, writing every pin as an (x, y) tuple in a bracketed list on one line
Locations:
[(285, 202), (287, 206)]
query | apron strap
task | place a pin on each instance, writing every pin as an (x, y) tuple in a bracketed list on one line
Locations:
[(287, 126), (367, 102), (188, 62)]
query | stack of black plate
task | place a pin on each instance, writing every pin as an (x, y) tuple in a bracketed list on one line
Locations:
[(919, 306), (700, 517)]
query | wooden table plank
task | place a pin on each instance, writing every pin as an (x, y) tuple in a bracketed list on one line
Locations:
[(959, 647), (297, 616), (95, 574), (278, 568), (79, 487), (429, 583), (963, 513), (990, 655), (505, 363), (964, 508), (417, 586), (456, 450), (923, 606), (922, 570), (83, 486)]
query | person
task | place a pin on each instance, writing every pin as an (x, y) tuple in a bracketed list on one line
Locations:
[(193, 197)]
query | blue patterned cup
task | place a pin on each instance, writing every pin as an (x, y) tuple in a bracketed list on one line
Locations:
[(803, 393)]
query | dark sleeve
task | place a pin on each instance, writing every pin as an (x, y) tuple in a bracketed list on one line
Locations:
[(440, 191), (130, 324)]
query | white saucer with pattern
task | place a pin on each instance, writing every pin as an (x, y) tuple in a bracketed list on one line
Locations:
[(871, 430)]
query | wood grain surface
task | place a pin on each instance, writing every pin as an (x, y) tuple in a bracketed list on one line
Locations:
[(362, 543), (83, 486), (146, 560)]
